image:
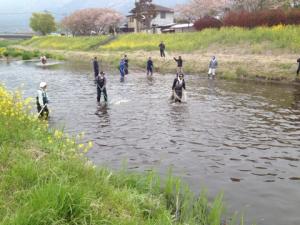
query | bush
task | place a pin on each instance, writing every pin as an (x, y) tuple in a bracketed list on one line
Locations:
[(260, 18), (293, 16), (207, 22), (27, 55)]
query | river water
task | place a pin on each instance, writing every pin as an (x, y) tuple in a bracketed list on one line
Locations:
[(242, 138)]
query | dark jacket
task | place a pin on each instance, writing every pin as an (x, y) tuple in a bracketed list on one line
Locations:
[(149, 64), (101, 81), (162, 46), (96, 66), (177, 85), (179, 62), (298, 60)]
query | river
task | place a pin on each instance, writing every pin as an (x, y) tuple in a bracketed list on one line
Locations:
[(242, 138)]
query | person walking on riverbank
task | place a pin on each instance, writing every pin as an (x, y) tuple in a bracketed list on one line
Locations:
[(96, 66), (178, 86), (126, 61), (149, 67), (179, 64), (122, 69), (42, 101), (162, 48), (298, 70), (213, 64), (101, 87)]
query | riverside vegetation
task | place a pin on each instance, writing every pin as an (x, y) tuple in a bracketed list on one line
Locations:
[(264, 53), (45, 179)]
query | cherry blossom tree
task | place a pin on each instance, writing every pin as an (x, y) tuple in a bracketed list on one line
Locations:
[(196, 9), (93, 20)]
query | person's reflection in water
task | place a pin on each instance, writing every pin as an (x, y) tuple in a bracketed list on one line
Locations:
[(103, 114), (296, 103)]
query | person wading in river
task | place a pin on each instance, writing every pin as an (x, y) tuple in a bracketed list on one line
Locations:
[(42, 101), (43, 59), (179, 64), (149, 67), (101, 86), (178, 86), (126, 61), (298, 70), (122, 69), (96, 66)]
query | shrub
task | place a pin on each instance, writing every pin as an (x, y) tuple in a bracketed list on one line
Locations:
[(207, 22), (254, 19), (293, 16), (27, 55)]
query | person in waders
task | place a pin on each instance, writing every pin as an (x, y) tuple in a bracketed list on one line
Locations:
[(122, 70), (178, 86), (42, 101), (96, 66), (298, 70), (126, 61), (101, 87), (149, 67), (179, 64)]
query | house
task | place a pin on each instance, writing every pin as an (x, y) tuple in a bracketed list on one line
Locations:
[(164, 18)]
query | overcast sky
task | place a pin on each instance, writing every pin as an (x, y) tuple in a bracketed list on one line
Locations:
[(15, 14)]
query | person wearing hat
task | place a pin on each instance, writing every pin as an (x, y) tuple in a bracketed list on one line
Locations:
[(101, 86), (177, 87), (42, 101)]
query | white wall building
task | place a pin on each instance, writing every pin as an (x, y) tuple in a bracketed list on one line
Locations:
[(164, 17)]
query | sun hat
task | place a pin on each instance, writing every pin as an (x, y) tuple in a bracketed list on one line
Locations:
[(43, 84)]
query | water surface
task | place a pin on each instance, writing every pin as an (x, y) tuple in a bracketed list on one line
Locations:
[(242, 138)]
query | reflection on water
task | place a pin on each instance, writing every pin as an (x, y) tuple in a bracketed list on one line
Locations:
[(242, 138)]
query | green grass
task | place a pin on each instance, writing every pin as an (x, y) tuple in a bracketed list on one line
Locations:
[(65, 43), (45, 179), (279, 37), (8, 42), (260, 38)]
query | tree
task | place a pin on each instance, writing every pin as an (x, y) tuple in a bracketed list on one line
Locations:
[(43, 23), (256, 5), (144, 12), (196, 9), (94, 20)]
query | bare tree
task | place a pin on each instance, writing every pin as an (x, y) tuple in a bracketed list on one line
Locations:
[(94, 20)]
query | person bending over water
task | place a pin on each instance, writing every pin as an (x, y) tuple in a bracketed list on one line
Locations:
[(42, 101), (101, 86), (178, 86), (43, 59), (149, 67)]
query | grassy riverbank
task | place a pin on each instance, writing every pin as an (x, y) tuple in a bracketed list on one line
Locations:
[(263, 53), (45, 179)]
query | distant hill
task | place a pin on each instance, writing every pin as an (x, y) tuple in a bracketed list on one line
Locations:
[(15, 14)]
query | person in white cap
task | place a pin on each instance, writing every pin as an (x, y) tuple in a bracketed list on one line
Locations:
[(42, 101)]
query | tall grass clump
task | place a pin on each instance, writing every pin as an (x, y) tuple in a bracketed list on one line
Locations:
[(65, 43), (45, 179)]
